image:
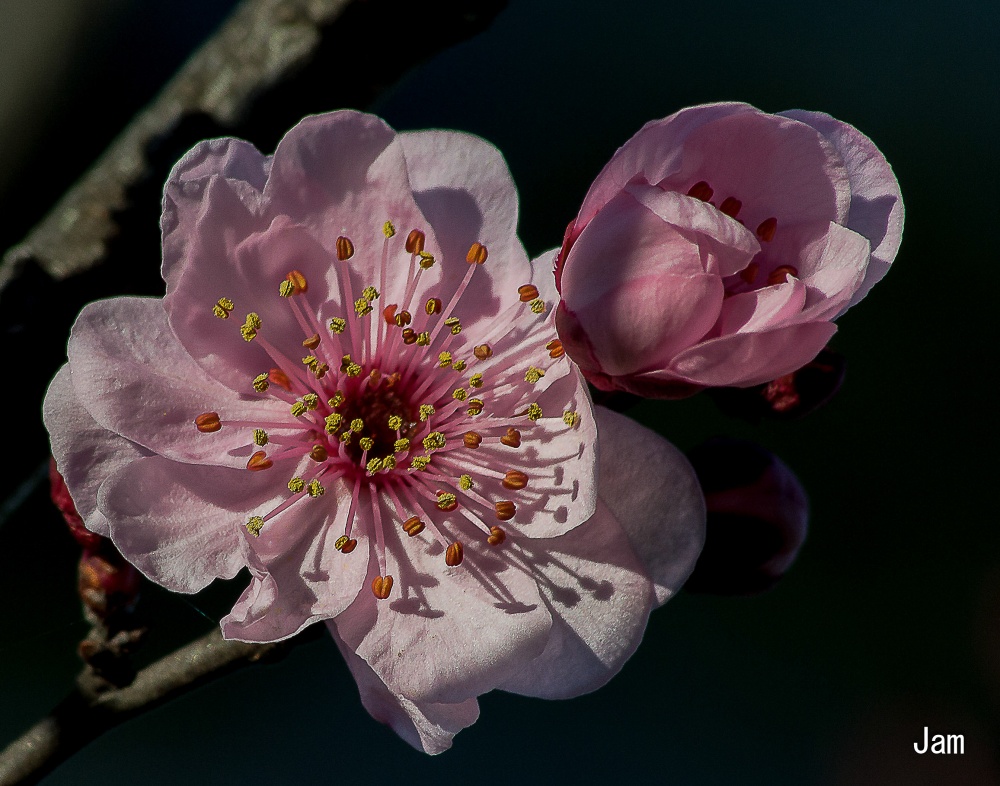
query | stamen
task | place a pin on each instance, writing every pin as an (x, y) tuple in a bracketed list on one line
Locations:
[(223, 308), (338, 324), (534, 412), (414, 242), (260, 383), (527, 292), (366, 443), (497, 536), (514, 480), (345, 545), (475, 406), (395, 422), (472, 439), (477, 254), (505, 510), (413, 526), (389, 313), (446, 501), (370, 293), (337, 399), (208, 422), (345, 248), (312, 342), (458, 365), (298, 409), (749, 273), (426, 260), (425, 411), (537, 306), (459, 394), (298, 281), (444, 360), (259, 461), (433, 306), (453, 324), (779, 274), (286, 288), (701, 190), (420, 462), (571, 418), (357, 425), (402, 319), (465, 482), (259, 437), (296, 484), (311, 400), (318, 453), (373, 466), (767, 229), (388, 229), (254, 525), (533, 374), (409, 336), (423, 339), (555, 348), (401, 445), (315, 489), (483, 351), (362, 307), (476, 381), (454, 555), (512, 438), (730, 206), (434, 441), (280, 378), (382, 586)]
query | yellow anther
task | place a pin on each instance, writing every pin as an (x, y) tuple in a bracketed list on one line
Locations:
[(420, 462), (316, 489), (538, 306), (388, 229), (373, 465), (222, 307), (433, 306), (423, 339), (295, 485), (345, 437), (338, 324), (333, 421), (534, 412), (434, 441), (454, 324), (402, 319), (475, 406), (254, 525), (444, 360), (458, 365), (447, 501), (286, 288), (248, 333), (571, 418), (395, 422), (389, 462), (259, 437), (465, 482), (459, 394), (357, 425), (298, 409), (311, 400), (369, 294), (253, 321), (401, 445), (353, 370), (426, 259), (260, 383), (341, 542), (476, 381), (426, 410), (362, 307), (532, 375), (337, 399), (310, 360), (366, 443)]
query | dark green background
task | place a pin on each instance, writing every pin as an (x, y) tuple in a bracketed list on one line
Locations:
[(889, 621)]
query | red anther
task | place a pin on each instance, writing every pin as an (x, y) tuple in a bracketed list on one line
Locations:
[(512, 438), (514, 479), (477, 254), (497, 536), (299, 283), (483, 351), (345, 248), (701, 190), (409, 336), (415, 242), (413, 526), (731, 206), (403, 318), (382, 586), (208, 422), (555, 348), (527, 292), (349, 546), (278, 377), (312, 342), (472, 439), (749, 273), (454, 555), (778, 275), (433, 306), (767, 229), (259, 461), (318, 453), (505, 510), (389, 313)]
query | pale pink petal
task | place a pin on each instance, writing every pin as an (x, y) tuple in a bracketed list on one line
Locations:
[(426, 726), (599, 594), (447, 633), (655, 496), (86, 453), (876, 202), (762, 309), (746, 359), (180, 523), (137, 380)]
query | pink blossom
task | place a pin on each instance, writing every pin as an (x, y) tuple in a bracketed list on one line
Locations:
[(719, 244), (354, 388)]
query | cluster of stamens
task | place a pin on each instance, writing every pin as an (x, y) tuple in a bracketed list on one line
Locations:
[(393, 402)]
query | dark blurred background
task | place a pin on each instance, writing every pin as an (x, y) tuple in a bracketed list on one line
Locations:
[(890, 619)]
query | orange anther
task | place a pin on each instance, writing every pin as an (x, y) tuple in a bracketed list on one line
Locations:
[(767, 229), (312, 342), (389, 313), (382, 586), (483, 351), (749, 273), (514, 479), (345, 248), (527, 292), (402, 319), (701, 190), (454, 554), (415, 241), (433, 306), (731, 206), (280, 378), (555, 348), (505, 510), (477, 254), (409, 336), (318, 453), (778, 275), (298, 281), (512, 438), (472, 439), (497, 536), (208, 422), (259, 461), (413, 526)]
